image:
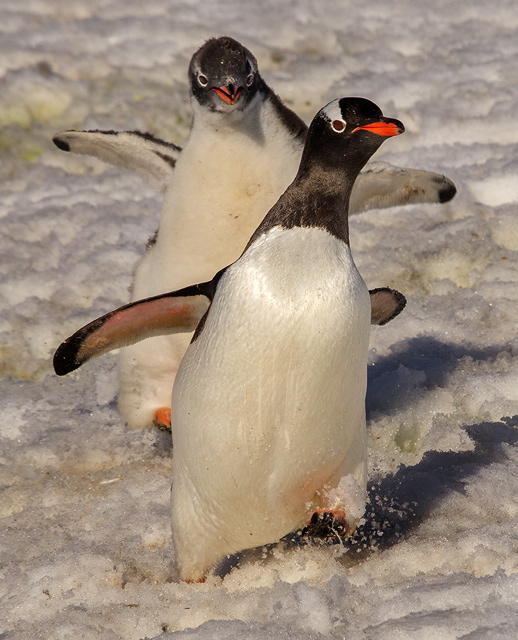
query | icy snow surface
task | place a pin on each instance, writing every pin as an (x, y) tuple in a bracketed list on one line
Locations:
[(85, 541)]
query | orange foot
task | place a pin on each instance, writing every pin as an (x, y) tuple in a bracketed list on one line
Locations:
[(326, 522), (162, 419)]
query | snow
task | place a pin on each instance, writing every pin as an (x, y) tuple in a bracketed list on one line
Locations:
[(85, 543)]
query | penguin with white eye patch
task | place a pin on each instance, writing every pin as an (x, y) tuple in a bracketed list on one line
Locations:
[(268, 413), (243, 150)]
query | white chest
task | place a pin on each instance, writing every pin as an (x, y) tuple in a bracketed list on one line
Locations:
[(270, 398), (227, 178)]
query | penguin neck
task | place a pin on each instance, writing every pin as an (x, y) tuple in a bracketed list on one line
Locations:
[(244, 121), (318, 197)]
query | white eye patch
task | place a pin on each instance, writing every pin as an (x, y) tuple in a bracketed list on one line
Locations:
[(333, 113), (338, 125)]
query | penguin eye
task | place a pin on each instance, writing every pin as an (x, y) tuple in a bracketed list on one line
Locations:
[(249, 79), (338, 125), (203, 80)]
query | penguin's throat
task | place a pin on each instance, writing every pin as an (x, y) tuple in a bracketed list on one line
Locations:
[(315, 199), (322, 204)]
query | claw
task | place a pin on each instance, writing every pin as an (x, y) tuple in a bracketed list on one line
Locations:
[(199, 581), (326, 522)]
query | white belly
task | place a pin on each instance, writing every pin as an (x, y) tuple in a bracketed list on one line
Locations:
[(224, 183), (268, 405)]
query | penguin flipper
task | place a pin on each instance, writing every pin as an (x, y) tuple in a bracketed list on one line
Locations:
[(381, 185), (176, 312), (386, 304), (153, 159)]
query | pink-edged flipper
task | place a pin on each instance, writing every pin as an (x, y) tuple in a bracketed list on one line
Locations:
[(176, 312), (386, 304)]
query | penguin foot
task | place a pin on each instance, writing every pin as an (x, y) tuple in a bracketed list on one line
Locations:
[(327, 522), (162, 419)]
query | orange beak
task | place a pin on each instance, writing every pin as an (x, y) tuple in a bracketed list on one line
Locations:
[(384, 128), (229, 94)]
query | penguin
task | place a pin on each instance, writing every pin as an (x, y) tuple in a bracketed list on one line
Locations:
[(243, 151), (268, 406)]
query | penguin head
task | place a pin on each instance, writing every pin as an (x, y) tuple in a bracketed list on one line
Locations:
[(224, 75), (349, 129)]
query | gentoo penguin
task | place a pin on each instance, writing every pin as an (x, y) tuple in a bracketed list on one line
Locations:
[(242, 152), (268, 408)]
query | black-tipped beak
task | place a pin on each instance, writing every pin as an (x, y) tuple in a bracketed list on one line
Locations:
[(229, 94), (384, 127)]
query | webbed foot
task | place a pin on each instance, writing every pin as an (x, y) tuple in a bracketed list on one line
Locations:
[(162, 419)]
